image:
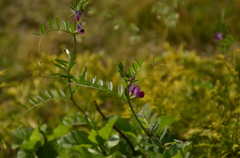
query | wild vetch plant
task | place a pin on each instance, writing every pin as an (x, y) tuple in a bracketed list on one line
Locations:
[(113, 136)]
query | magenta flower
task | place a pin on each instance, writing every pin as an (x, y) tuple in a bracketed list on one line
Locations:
[(77, 15), (79, 28), (218, 36), (134, 91)]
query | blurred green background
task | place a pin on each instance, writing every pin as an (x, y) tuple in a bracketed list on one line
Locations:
[(175, 37)]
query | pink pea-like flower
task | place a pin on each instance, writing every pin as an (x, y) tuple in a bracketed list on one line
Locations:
[(218, 36), (77, 15), (80, 29), (135, 91)]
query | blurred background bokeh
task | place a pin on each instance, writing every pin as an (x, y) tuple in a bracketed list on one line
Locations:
[(114, 30)]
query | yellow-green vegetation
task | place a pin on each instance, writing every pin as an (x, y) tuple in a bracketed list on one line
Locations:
[(186, 76)]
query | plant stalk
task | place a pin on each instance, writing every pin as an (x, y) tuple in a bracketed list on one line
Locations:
[(118, 130)]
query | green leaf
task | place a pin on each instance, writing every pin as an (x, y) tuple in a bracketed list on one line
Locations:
[(92, 81), (56, 74), (67, 25), (120, 90), (32, 101), (163, 133), (64, 25), (42, 96), (51, 149), (58, 23), (148, 114), (50, 23), (110, 86), (37, 34), (106, 130), (60, 67), (60, 93), (75, 138), (31, 145), (42, 28), (153, 119), (59, 131), (49, 94), (139, 62), (24, 106), (22, 134), (113, 141), (62, 62), (144, 109), (92, 136), (72, 57), (125, 126), (67, 76), (84, 74), (36, 135), (166, 121), (135, 67), (100, 82), (24, 154)]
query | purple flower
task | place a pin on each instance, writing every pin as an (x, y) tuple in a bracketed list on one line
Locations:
[(77, 15), (135, 92), (79, 28), (218, 36)]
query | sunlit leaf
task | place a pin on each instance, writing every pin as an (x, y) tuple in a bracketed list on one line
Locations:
[(120, 90), (110, 86), (105, 131), (75, 138), (100, 82)]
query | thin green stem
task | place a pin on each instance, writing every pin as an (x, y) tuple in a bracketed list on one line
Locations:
[(69, 80), (118, 130), (135, 115), (73, 100)]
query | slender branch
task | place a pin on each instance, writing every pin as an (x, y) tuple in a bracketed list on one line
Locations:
[(118, 130), (73, 100), (135, 115), (69, 80)]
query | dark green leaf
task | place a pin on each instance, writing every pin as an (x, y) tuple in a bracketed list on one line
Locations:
[(67, 25), (49, 94), (67, 76), (22, 134), (31, 100), (42, 96), (37, 34), (135, 67), (58, 23), (70, 66), (24, 106), (60, 67), (42, 28), (57, 74), (75, 138), (50, 23), (163, 133), (24, 154), (62, 62), (60, 93)]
